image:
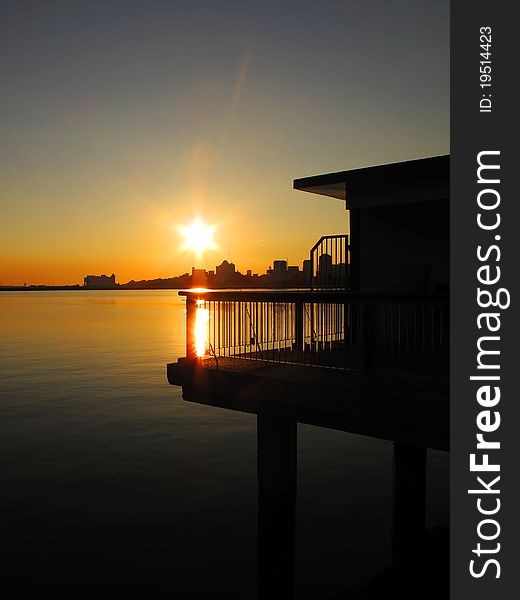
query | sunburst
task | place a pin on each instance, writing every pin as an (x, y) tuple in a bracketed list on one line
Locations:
[(198, 237)]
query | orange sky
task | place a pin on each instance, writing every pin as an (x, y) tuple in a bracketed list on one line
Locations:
[(117, 128)]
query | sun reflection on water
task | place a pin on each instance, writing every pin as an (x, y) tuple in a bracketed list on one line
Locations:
[(201, 328)]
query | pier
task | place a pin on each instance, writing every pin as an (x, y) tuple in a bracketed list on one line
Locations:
[(364, 350), (350, 384)]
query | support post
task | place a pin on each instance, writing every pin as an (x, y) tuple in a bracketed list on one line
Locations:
[(409, 499), (191, 315), (276, 507)]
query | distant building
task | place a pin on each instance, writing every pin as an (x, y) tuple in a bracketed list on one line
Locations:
[(325, 264), (307, 271), (100, 282), (225, 273), (279, 274), (279, 267), (199, 277)]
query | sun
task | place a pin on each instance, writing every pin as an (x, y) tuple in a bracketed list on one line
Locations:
[(198, 237)]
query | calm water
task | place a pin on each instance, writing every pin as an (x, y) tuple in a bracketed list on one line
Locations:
[(110, 479)]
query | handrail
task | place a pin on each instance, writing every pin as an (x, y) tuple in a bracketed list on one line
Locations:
[(329, 258), (327, 237), (405, 334), (317, 297)]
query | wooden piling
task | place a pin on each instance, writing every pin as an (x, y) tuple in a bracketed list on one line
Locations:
[(276, 507), (409, 500)]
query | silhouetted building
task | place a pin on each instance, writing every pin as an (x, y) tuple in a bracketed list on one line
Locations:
[(307, 272), (399, 223), (225, 273), (279, 267), (100, 281), (325, 265), (199, 277), (279, 271)]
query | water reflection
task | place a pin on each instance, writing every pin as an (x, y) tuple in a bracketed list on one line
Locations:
[(109, 477)]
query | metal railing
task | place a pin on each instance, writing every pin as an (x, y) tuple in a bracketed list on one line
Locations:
[(405, 334), (330, 263)]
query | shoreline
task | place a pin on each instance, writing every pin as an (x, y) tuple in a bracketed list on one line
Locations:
[(54, 288)]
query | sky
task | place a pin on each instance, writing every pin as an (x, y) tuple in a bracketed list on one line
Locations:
[(121, 121)]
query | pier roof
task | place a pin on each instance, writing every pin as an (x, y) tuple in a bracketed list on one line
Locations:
[(418, 180)]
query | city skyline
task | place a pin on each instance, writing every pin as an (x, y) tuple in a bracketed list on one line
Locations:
[(279, 271)]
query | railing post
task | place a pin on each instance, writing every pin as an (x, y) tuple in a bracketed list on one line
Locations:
[(312, 268), (368, 347), (347, 324), (298, 326), (191, 315)]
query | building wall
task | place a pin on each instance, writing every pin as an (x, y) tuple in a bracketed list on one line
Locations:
[(403, 248)]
